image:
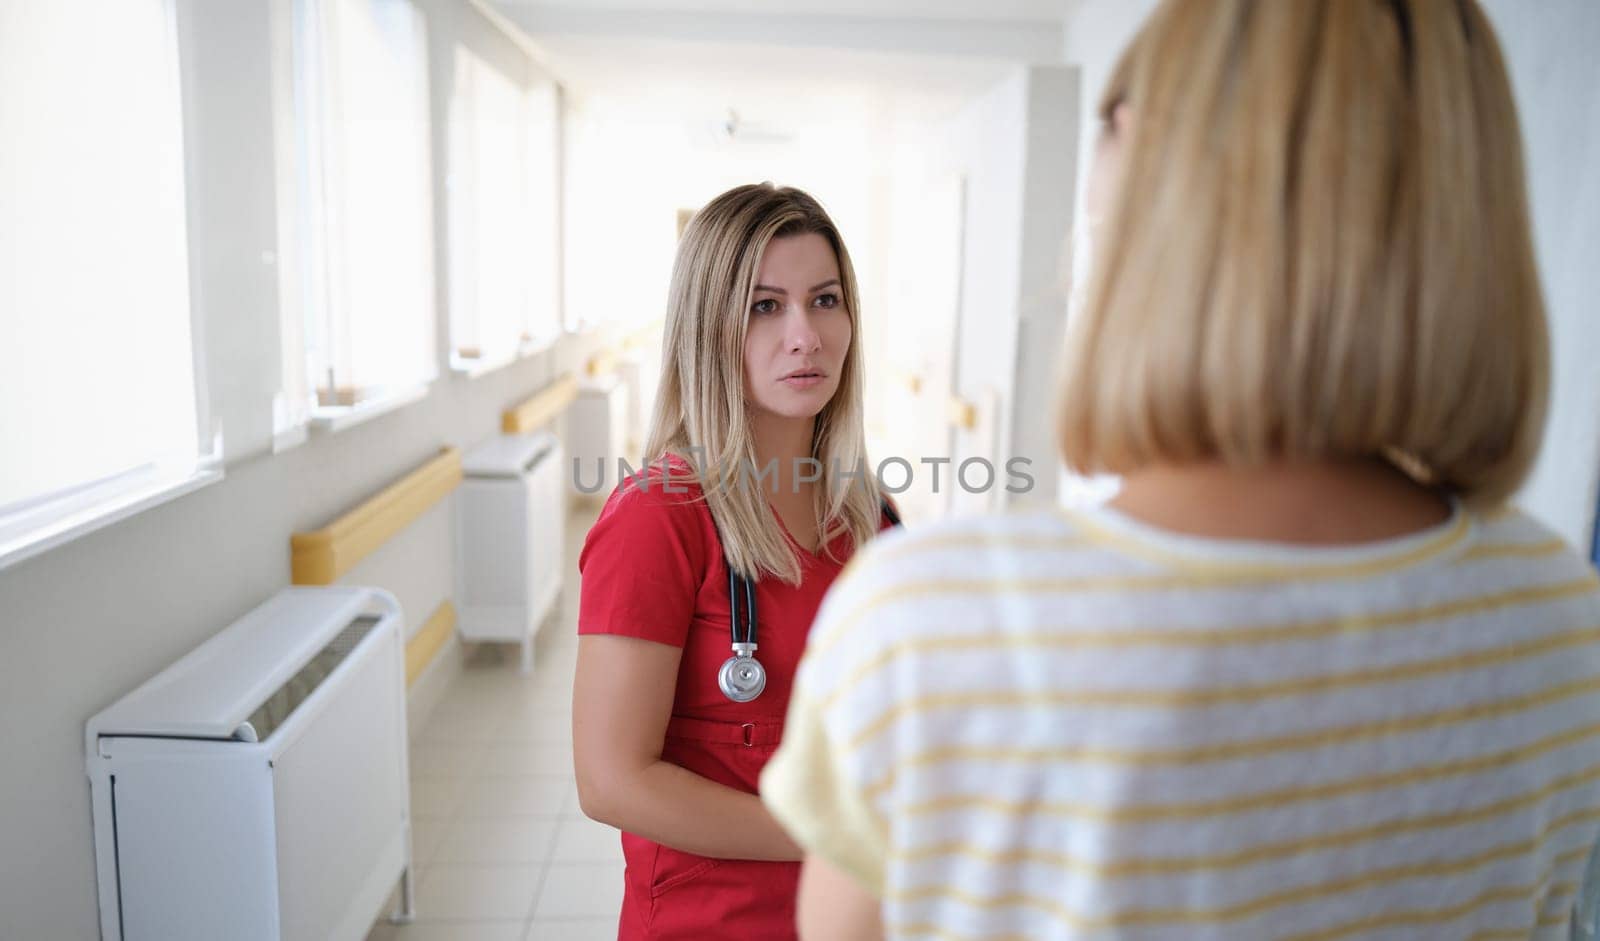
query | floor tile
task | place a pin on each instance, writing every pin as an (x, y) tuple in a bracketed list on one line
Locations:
[(580, 840), (498, 840), (438, 796), (494, 800), (583, 929), (491, 704), (457, 728), (430, 759), (463, 701), (427, 834), (460, 891), (516, 796), (570, 807), (553, 686), (549, 691), (510, 930), (530, 724), (554, 760), (581, 890)]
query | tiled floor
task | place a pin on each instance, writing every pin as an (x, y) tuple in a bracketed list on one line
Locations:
[(502, 852)]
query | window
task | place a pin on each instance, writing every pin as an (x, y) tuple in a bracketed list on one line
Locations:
[(503, 214), (543, 136), (361, 274), (100, 408)]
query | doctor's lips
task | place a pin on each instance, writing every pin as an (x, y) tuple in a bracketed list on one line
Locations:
[(804, 378)]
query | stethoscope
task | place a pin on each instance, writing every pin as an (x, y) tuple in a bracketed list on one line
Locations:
[(742, 677)]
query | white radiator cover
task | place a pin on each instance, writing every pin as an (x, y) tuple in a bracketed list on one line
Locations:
[(204, 832), (511, 514), (597, 424)]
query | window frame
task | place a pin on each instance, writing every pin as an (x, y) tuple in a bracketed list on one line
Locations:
[(43, 521), (316, 323), (544, 92)]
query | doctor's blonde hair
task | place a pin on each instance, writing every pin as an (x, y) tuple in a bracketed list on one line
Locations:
[(701, 413), (1319, 249)]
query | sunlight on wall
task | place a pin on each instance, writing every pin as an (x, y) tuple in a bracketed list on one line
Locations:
[(632, 166)]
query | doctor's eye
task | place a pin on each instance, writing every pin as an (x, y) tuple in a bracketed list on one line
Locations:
[(826, 301), (764, 306)]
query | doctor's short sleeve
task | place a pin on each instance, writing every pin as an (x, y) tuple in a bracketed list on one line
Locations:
[(815, 785), (642, 566)]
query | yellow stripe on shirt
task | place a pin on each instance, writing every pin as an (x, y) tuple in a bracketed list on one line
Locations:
[(1133, 547), (1201, 698), (1429, 916), (821, 645), (1524, 550), (1261, 904), (1250, 800), (1297, 741), (1168, 865), (1129, 637)]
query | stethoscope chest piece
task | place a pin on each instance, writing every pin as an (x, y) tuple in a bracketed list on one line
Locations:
[(742, 676)]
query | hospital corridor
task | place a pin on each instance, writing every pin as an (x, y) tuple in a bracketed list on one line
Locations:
[(898, 470), (501, 847)]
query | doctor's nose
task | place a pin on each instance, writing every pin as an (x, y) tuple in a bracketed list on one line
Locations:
[(800, 336)]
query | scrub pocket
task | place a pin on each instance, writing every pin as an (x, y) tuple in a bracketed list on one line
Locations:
[(674, 868)]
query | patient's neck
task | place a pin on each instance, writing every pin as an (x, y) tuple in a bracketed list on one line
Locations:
[(1314, 503)]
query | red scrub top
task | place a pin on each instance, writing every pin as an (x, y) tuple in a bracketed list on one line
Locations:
[(652, 568)]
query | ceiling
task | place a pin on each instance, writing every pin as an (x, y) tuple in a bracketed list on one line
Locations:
[(783, 66), (989, 10)]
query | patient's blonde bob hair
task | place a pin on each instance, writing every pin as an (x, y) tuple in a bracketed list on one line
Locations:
[(1319, 249), (701, 413)]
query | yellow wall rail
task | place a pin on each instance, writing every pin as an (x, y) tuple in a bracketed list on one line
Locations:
[(643, 335), (321, 556), (425, 645), (602, 363), (963, 414), (537, 410)]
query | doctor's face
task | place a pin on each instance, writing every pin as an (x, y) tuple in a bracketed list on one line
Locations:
[(799, 329)]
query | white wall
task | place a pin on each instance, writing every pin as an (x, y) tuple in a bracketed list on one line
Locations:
[(987, 145), (1015, 149), (1555, 74), (1049, 184), (955, 272), (635, 159), (86, 622)]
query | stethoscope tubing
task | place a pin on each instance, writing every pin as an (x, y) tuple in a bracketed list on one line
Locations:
[(742, 678)]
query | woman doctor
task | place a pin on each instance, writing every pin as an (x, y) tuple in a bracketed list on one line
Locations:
[(748, 507)]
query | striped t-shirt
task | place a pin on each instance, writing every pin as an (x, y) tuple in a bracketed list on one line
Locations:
[(1073, 725)]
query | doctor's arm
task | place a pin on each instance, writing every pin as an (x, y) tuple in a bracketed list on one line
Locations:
[(621, 703)]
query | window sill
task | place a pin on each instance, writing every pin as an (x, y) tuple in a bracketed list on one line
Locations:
[(42, 528), (473, 368), (290, 438), (328, 420), (542, 344)]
